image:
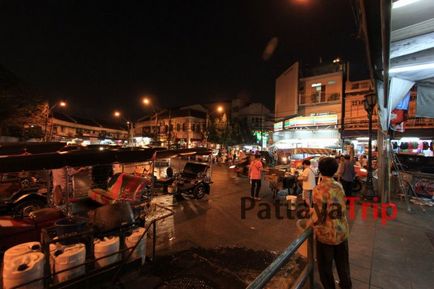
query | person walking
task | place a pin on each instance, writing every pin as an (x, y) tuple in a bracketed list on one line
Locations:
[(308, 178), (347, 175), (331, 228), (255, 175)]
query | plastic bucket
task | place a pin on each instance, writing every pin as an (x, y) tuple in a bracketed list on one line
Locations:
[(66, 257), (68, 227), (105, 247), (23, 269), (131, 241)]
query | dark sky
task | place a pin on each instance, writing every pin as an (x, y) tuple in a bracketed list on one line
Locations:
[(103, 55)]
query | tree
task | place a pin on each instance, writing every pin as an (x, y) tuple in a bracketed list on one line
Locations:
[(22, 112)]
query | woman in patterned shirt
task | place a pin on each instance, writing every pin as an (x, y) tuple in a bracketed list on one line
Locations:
[(331, 227)]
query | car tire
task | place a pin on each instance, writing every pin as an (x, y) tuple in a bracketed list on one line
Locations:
[(25, 207), (199, 192)]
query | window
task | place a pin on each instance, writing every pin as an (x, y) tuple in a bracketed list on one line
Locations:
[(184, 127), (178, 127), (193, 127)]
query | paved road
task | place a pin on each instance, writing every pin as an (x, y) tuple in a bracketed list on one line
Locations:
[(216, 220)]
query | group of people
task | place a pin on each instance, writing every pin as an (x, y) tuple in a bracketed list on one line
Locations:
[(331, 234)]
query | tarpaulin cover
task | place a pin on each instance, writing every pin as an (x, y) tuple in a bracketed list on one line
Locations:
[(425, 101)]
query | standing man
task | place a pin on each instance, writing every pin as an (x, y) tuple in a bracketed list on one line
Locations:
[(348, 174), (255, 175), (331, 228), (308, 178)]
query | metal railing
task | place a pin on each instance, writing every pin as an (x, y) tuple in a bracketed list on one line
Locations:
[(306, 275)]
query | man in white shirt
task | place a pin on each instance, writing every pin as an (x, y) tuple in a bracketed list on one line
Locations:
[(308, 178)]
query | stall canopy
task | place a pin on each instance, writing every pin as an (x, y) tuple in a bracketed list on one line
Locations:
[(310, 151), (411, 55)]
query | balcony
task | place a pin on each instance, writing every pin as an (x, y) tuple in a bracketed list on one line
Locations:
[(319, 98), (358, 86)]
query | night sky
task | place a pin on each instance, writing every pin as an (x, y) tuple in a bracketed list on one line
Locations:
[(104, 55)]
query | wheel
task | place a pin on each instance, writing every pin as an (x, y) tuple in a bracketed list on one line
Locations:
[(24, 208), (199, 192)]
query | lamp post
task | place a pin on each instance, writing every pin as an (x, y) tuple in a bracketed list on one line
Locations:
[(50, 109), (147, 102), (220, 109), (369, 104), (130, 126)]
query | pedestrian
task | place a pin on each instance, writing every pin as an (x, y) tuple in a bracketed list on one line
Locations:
[(308, 178), (347, 175), (255, 174), (364, 161), (331, 229)]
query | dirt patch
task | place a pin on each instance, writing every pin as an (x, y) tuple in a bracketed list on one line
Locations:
[(228, 268)]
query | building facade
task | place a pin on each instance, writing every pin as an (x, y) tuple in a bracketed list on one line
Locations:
[(183, 127), (62, 127), (314, 117), (355, 129)]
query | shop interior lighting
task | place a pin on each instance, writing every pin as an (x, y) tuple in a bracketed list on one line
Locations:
[(412, 68), (409, 139), (402, 3)]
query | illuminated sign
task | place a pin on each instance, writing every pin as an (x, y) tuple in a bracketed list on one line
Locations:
[(278, 126), (317, 120)]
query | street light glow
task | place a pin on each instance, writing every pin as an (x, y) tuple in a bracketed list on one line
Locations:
[(117, 114), (146, 101), (220, 108), (62, 104)]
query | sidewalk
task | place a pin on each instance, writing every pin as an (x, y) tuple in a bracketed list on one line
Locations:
[(399, 254)]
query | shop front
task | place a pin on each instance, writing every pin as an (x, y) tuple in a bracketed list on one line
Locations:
[(317, 131)]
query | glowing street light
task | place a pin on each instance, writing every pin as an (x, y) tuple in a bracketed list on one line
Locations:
[(49, 113), (130, 126), (146, 101), (220, 108)]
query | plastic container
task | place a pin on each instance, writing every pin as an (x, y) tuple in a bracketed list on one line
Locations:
[(131, 241), (24, 268), (21, 249), (66, 257), (292, 200), (105, 247)]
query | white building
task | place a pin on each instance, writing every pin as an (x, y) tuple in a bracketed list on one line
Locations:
[(312, 116)]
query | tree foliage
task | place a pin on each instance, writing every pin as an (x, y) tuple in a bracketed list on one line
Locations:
[(22, 113)]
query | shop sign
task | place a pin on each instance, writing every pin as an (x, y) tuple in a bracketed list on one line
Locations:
[(316, 120), (278, 126), (287, 124)]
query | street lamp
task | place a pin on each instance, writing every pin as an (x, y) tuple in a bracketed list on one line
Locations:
[(130, 126), (219, 109), (369, 104), (147, 102), (50, 109)]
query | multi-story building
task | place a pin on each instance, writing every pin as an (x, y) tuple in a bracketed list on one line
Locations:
[(257, 116), (184, 127), (62, 127), (308, 109), (355, 127)]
